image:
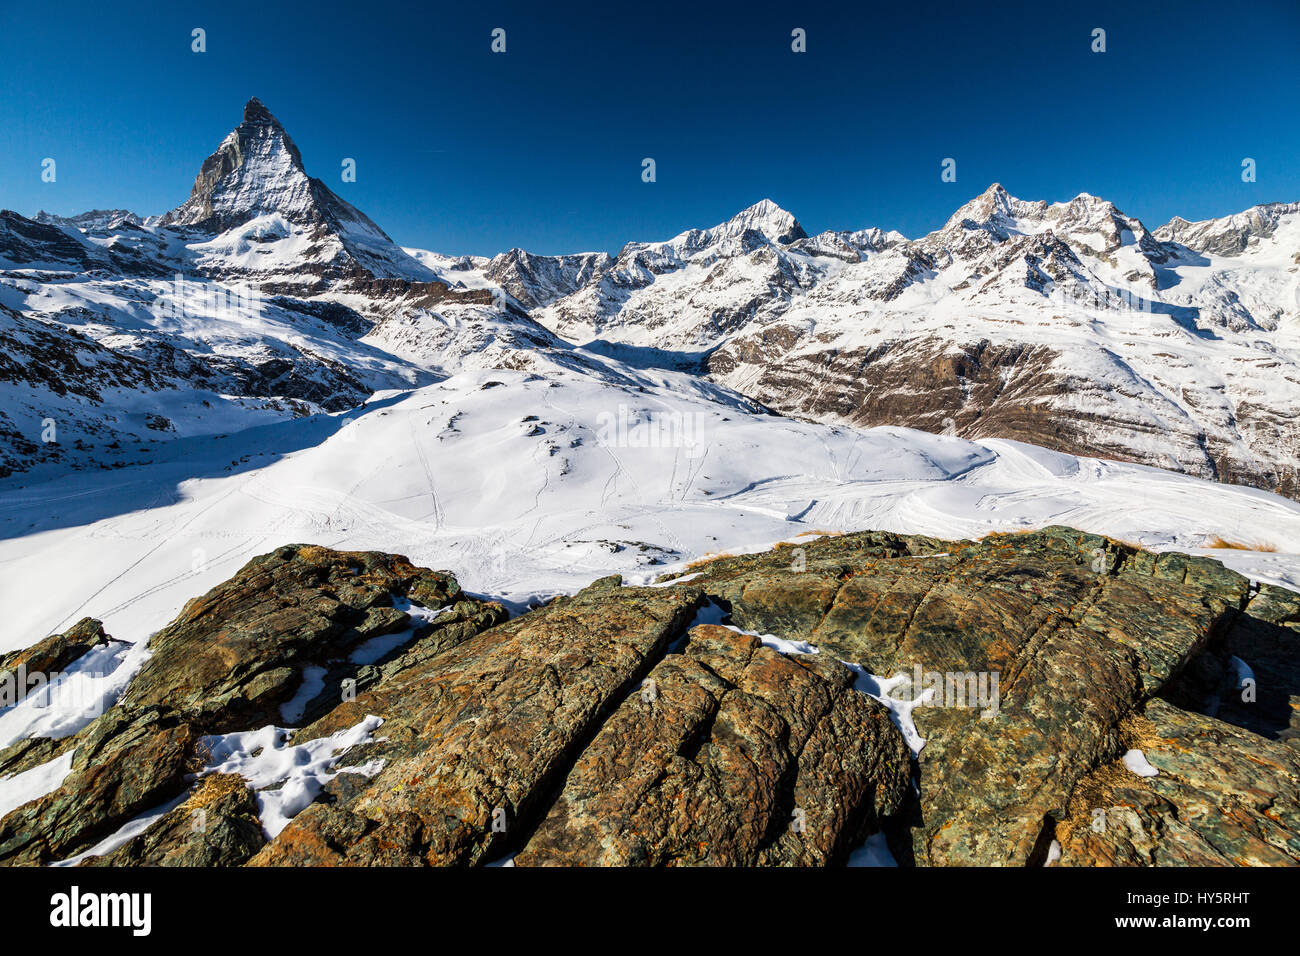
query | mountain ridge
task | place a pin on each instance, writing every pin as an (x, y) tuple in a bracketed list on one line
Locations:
[(1067, 324)]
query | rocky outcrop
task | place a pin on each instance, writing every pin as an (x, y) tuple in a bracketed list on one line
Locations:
[(1081, 633), (1079, 701), (229, 662), (478, 736), (1221, 796), (217, 825), (731, 754), (49, 656)]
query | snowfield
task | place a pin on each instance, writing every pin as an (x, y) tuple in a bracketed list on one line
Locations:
[(528, 484)]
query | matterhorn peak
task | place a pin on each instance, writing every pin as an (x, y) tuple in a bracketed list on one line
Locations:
[(257, 176), (257, 170)]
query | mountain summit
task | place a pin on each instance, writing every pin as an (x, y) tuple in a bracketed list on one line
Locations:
[(256, 170), (257, 177), (765, 217)]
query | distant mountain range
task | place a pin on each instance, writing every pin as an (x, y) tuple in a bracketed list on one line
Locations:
[(1069, 325)]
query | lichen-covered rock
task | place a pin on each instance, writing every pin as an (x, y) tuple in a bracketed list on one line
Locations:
[(34, 667), (228, 662), (1221, 796), (125, 763), (731, 754), (1251, 677), (217, 825), (477, 737), (1075, 632), (235, 654), (611, 727)]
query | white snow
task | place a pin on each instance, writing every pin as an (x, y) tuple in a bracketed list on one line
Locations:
[(34, 783), (1053, 853), (1136, 762), (266, 757), (900, 710), (377, 648), (313, 682), (1242, 671), (88, 687)]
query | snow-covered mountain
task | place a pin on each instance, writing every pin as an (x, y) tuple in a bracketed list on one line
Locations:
[(1070, 325), (251, 302), (270, 218)]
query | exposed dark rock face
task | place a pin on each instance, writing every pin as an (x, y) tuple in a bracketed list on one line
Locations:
[(216, 826), (27, 243), (1222, 797), (1080, 653), (611, 728), (983, 389)]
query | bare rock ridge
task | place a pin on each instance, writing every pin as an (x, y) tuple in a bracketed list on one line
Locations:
[(626, 726)]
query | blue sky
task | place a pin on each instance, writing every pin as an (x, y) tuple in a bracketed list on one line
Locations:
[(465, 151)]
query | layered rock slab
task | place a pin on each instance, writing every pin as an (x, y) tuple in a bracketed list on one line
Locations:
[(1075, 632), (477, 737), (732, 754), (1220, 796)]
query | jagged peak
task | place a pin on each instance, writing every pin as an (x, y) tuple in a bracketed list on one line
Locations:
[(989, 205), (1260, 211), (1227, 235), (255, 112), (92, 219), (762, 209), (766, 217), (257, 169)]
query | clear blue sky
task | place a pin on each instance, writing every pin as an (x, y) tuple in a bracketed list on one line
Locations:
[(462, 150)]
